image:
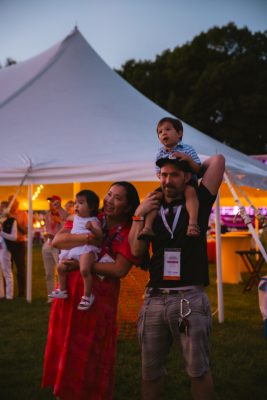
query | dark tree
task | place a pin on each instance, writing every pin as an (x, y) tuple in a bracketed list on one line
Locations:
[(217, 83)]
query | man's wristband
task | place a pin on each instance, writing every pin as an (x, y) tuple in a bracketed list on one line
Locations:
[(137, 218)]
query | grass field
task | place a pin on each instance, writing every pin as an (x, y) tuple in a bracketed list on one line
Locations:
[(238, 347)]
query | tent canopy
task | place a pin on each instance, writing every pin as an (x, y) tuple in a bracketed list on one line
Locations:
[(69, 117)]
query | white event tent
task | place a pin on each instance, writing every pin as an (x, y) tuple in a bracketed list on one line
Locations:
[(71, 118), (65, 116)]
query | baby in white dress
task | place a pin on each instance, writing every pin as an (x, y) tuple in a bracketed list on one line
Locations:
[(85, 221)]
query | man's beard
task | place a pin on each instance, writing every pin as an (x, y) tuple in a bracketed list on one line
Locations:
[(173, 192), (170, 191)]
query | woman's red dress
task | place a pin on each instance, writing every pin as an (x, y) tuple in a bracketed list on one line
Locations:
[(80, 352)]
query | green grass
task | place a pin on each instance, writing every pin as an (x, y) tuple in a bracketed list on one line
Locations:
[(238, 349)]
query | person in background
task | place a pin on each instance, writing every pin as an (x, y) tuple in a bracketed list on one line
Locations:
[(3, 207), (54, 221), (17, 248), (69, 207), (176, 308), (2, 218), (80, 355), (8, 233)]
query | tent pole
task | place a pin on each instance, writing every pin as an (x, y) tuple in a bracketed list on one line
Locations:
[(29, 246), (245, 217), (76, 188), (18, 188), (219, 260)]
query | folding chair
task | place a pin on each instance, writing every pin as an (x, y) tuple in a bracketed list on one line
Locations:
[(254, 262)]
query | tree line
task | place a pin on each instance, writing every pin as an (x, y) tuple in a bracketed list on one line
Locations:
[(216, 83)]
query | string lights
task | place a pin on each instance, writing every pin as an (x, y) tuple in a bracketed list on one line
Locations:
[(37, 192)]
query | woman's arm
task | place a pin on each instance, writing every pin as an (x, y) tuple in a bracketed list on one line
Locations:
[(117, 269), (66, 240)]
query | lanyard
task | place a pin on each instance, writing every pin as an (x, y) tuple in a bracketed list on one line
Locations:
[(175, 221)]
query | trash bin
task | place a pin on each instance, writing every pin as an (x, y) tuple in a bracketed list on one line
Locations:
[(262, 290)]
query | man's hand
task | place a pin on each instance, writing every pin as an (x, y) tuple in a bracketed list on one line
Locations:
[(56, 218), (150, 202)]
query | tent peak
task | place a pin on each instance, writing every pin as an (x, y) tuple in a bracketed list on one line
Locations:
[(19, 79)]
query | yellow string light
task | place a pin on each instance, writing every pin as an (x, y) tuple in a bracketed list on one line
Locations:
[(37, 192)]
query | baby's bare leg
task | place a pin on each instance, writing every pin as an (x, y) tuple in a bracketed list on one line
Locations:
[(86, 264), (62, 270), (192, 206)]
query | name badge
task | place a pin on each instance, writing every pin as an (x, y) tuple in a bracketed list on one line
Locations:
[(172, 264)]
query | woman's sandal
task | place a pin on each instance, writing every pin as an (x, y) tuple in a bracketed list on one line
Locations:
[(86, 302), (193, 230)]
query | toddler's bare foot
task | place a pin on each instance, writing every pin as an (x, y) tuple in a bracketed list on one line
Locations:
[(146, 234), (193, 230)]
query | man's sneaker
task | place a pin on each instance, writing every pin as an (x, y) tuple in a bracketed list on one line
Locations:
[(58, 294)]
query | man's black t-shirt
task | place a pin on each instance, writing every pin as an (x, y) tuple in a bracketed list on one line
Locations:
[(194, 259)]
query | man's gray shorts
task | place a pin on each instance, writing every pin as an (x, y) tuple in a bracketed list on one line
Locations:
[(158, 328)]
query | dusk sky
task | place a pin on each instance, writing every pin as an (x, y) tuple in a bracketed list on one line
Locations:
[(119, 30)]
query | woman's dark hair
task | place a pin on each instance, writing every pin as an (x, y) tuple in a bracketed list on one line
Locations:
[(92, 200), (131, 195), (176, 123)]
